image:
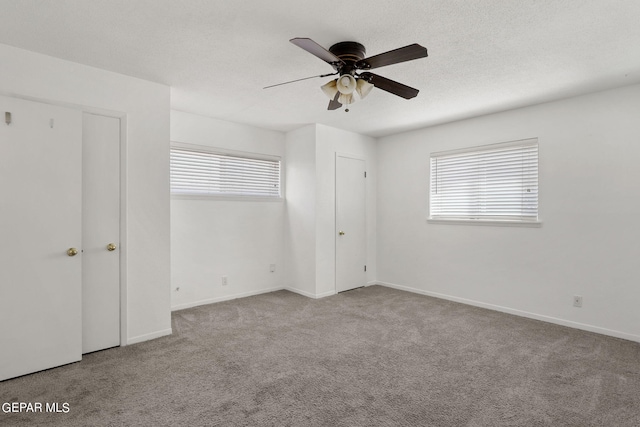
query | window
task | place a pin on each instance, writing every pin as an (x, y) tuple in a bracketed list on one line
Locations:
[(496, 182), (205, 172)]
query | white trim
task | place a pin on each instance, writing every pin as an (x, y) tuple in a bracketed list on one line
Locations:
[(548, 319), (249, 294), (486, 147), (123, 231), (74, 106), (147, 337), (495, 222), (224, 298), (300, 292), (220, 198), (351, 156), (309, 294), (325, 294), (224, 151)]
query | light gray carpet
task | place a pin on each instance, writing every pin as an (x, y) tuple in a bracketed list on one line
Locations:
[(370, 357)]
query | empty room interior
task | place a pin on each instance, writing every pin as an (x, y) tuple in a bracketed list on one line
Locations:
[(325, 213)]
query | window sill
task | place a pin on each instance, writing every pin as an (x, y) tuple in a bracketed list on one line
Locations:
[(216, 198), (491, 222)]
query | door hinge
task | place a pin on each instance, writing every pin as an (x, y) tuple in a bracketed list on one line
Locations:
[(365, 268), (365, 174)]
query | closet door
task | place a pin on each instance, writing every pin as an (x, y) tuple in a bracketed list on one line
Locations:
[(40, 235), (351, 231), (100, 232)]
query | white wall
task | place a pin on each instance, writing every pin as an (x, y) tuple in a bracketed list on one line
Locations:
[(211, 238), (311, 183), (588, 245), (240, 239), (145, 250), (330, 141), (300, 225)]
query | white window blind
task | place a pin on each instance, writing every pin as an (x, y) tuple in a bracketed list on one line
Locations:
[(196, 172), (493, 182)]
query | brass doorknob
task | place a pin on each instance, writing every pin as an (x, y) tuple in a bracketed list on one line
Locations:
[(111, 247), (341, 233), (72, 252)]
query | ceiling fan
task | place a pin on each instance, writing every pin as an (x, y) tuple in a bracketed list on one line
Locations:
[(349, 57)]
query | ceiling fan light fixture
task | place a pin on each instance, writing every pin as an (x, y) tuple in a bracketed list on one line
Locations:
[(363, 88), (330, 88), (346, 84), (346, 98)]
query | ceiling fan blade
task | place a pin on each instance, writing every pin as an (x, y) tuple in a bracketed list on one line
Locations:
[(299, 80), (334, 104), (390, 86), (317, 50), (407, 53)]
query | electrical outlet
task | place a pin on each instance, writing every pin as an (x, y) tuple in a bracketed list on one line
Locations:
[(272, 268), (225, 280), (577, 301)]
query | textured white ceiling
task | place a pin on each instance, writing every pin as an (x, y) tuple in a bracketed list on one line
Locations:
[(484, 55)]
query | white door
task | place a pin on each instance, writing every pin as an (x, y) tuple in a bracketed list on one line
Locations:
[(351, 233), (100, 232), (40, 220)]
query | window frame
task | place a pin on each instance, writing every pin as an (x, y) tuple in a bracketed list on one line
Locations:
[(232, 153), (518, 222)]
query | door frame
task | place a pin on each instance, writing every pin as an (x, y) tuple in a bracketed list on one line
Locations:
[(122, 116), (335, 213)]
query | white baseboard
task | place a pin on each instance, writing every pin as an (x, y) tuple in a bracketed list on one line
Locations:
[(224, 298), (300, 292), (147, 337), (309, 294), (325, 294), (549, 319)]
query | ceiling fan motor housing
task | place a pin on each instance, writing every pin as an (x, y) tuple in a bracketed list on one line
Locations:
[(350, 53)]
